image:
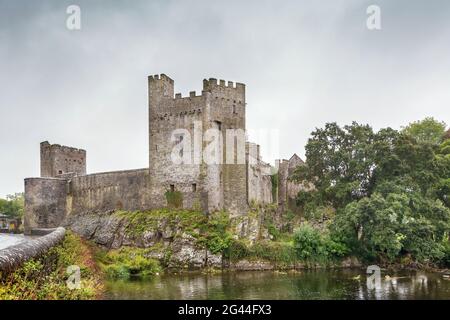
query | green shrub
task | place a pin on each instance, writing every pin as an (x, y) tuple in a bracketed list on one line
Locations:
[(308, 243), (214, 234), (280, 253), (237, 250), (273, 231), (313, 246), (126, 262), (446, 259), (116, 271)]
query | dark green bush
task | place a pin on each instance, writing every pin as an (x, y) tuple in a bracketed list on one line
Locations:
[(311, 245)]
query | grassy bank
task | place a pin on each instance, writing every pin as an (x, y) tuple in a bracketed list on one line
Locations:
[(45, 278), (126, 262)]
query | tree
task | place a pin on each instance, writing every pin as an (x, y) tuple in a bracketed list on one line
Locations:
[(395, 219), (427, 130), (443, 160), (389, 190), (13, 205), (346, 164), (339, 164)]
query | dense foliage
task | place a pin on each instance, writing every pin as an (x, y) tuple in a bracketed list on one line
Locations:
[(313, 246), (388, 191), (427, 130), (126, 262), (280, 253)]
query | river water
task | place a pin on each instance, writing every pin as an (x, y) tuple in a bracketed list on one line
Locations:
[(7, 240), (323, 284)]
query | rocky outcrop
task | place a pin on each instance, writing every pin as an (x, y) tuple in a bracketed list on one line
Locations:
[(13, 257), (167, 241)]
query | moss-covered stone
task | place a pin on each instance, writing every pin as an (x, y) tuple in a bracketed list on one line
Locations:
[(174, 199)]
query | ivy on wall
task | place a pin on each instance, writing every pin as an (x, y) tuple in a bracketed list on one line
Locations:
[(174, 199)]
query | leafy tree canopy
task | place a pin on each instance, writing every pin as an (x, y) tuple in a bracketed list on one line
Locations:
[(427, 130), (13, 205), (389, 190)]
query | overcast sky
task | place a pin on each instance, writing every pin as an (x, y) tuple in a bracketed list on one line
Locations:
[(305, 63)]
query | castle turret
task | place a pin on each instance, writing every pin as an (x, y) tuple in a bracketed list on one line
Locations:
[(160, 89), (57, 160)]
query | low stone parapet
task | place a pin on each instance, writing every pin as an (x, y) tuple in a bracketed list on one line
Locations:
[(13, 257)]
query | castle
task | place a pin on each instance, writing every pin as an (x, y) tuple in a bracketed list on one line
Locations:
[(181, 133)]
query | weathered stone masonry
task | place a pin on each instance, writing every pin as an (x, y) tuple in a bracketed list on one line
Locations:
[(59, 160), (13, 257), (65, 189)]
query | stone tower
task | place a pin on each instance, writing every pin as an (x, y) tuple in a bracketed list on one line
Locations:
[(172, 118), (57, 160)]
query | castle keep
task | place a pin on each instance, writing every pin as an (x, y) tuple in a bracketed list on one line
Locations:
[(184, 126)]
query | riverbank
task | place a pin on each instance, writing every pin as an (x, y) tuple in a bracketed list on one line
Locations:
[(169, 239), (128, 273), (45, 278)]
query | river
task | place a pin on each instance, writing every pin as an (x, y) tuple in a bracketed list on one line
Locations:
[(7, 240), (323, 284)]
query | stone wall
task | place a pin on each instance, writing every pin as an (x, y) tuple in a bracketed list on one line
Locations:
[(57, 160), (259, 180), (117, 190), (287, 189), (45, 203), (13, 257)]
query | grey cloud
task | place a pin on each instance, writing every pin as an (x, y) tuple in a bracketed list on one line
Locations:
[(304, 63)]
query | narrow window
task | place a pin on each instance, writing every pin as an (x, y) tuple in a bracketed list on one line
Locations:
[(172, 188), (180, 139), (60, 172), (194, 187), (234, 109), (219, 125)]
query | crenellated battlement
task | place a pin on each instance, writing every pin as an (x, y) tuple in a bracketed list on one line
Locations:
[(192, 95), (62, 148), (162, 96), (161, 77), (212, 83)]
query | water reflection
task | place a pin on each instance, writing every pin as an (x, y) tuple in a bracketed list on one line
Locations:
[(331, 284)]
